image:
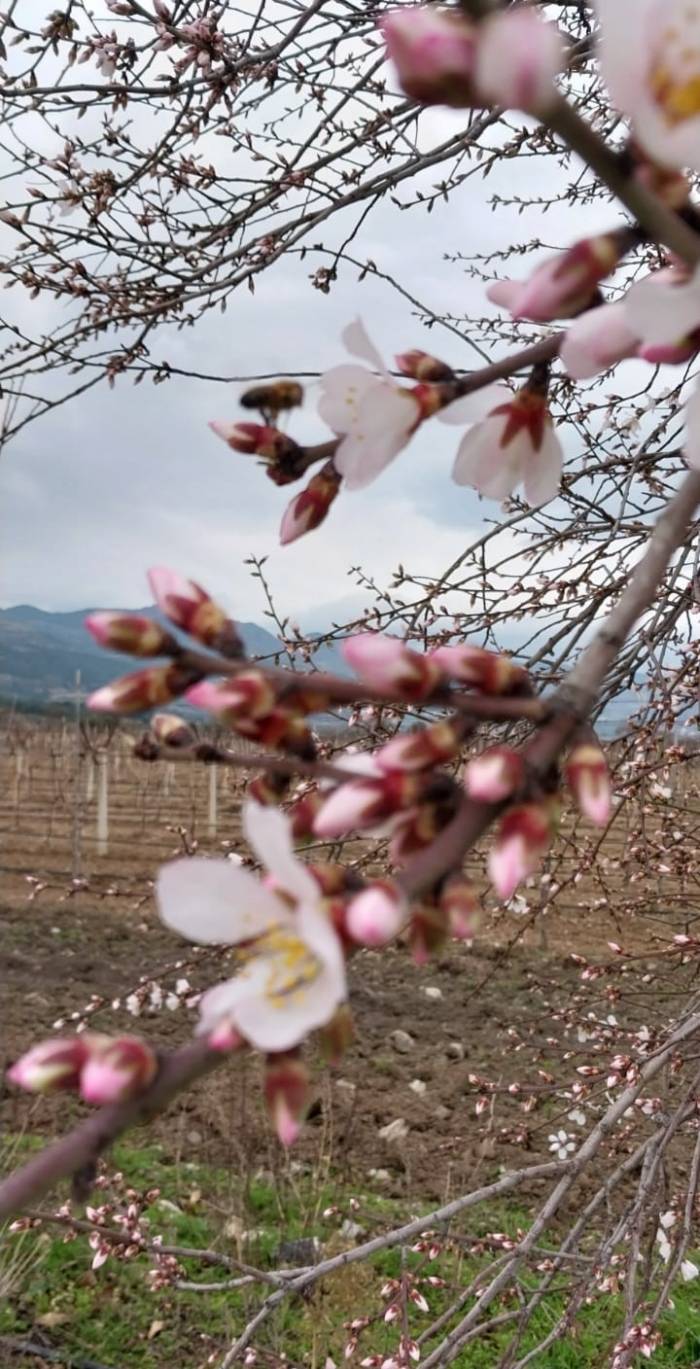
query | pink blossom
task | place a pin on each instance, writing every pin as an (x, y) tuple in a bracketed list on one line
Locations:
[(248, 694), (386, 663), (308, 509), (374, 417), (589, 780), (361, 804), (129, 632), (376, 915), (649, 53), (598, 339), (522, 839), (433, 53), (120, 1070), (494, 775), (51, 1065), (189, 607), (563, 285), (292, 977), (519, 56), (487, 671), (515, 444)]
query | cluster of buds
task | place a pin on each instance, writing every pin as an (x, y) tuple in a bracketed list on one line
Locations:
[(282, 457), (247, 703), (187, 606), (102, 1069)]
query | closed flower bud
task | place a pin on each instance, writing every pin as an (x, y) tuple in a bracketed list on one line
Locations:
[(144, 690), (121, 1069), (376, 915), (422, 366), (131, 633), (225, 1037), (282, 728), (189, 607), (433, 53), (248, 694), (51, 1065), (519, 56), (460, 903), (309, 509), (425, 747), (494, 775), (387, 664), (486, 671), (287, 1094), (589, 780), (566, 284), (522, 840), (172, 731), (335, 1037), (284, 459), (361, 804)]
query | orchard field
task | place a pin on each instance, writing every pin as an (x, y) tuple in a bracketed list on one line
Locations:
[(455, 1071)]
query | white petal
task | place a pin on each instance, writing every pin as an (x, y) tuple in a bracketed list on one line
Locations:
[(319, 934), (485, 465), (663, 314), (279, 1028), (543, 470), (383, 427), (691, 446), (359, 344), (471, 408), (268, 831), (622, 50), (343, 389), (689, 1271), (211, 901)]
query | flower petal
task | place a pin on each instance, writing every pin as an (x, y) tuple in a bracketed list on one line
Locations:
[(383, 426), (343, 389), (663, 313), (543, 470), (471, 408), (269, 833), (359, 344), (622, 49), (212, 901)]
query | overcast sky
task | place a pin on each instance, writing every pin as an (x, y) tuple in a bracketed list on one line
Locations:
[(118, 480)]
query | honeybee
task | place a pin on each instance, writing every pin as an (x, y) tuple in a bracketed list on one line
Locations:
[(272, 400)]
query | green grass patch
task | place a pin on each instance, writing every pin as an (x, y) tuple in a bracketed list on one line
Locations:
[(111, 1315)]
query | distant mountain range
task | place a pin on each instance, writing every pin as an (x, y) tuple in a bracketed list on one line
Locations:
[(40, 653)]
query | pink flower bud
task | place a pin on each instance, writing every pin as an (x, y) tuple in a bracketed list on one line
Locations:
[(564, 285), (225, 1037), (483, 670), (519, 56), (376, 915), (522, 840), (589, 780), (433, 53), (191, 608), (427, 746), (121, 1069), (129, 632), (385, 663), (361, 804), (246, 695), (494, 775), (309, 509), (145, 689), (51, 1065), (172, 731), (670, 354), (284, 458), (287, 1094), (422, 366)]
